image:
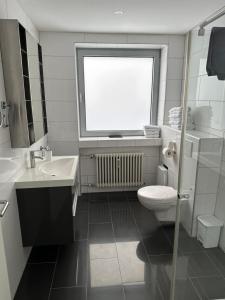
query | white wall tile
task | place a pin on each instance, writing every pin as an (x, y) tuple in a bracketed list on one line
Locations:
[(150, 164), (105, 38), (210, 152), (173, 90), (175, 68), (64, 147), (196, 41), (35, 89), (59, 67), (61, 111), (217, 113), (148, 39), (33, 63), (201, 113), (62, 131), (60, 43), (149, 178), (207, 180), (60, 90), (211, 89), (193, 89), (176, 46)]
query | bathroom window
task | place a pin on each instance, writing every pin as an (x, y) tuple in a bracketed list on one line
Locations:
[(118, 90)]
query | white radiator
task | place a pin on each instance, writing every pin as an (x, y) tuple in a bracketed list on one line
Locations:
[(119, 169)]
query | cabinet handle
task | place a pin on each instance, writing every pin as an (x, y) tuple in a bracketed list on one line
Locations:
[(5, 206)]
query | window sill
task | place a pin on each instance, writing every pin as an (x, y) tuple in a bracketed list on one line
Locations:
[(131, 141)]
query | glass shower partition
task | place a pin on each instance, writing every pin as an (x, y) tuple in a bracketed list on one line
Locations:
[(198, 271)]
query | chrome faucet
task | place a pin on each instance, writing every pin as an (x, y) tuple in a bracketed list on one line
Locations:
[(33, 157)]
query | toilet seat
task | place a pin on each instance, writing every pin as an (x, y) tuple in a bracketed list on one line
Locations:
[(158, 195)]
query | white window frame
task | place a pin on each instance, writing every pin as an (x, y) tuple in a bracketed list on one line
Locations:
[(82, 52)]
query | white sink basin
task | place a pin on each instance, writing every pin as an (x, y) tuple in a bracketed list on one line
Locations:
[(59, 167), (60, 171)]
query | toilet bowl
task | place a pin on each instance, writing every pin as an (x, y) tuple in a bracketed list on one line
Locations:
[(160, 198)]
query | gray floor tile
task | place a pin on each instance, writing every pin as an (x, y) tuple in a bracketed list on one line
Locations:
[(158, 243), (133, 261), (105, 293), (104, 272), (71, 267), (142, 292), (218, 258), (210, 287), (72, 293), (35, 283), (198, 265), (99, 211), (81, 225), (124, 225), (185, 290), (101, 241)]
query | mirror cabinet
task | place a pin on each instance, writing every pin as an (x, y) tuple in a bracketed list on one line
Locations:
[(24, 84)]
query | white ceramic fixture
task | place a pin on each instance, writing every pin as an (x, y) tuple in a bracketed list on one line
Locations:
[(160, 198), (60, 171)]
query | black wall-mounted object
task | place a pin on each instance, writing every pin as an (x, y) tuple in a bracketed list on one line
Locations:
[(46, 216)]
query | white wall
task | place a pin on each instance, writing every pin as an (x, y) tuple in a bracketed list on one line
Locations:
[(16, 255), (59, 72)]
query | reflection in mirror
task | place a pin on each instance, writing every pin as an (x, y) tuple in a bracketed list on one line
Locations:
[(35, 86)]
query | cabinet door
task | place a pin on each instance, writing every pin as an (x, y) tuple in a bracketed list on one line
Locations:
[(46, 215)]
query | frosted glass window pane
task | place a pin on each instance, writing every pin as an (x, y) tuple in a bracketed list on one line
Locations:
[(118, 92)]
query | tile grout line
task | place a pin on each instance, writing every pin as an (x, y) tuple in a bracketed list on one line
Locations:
[(148, 256), (114, 237), (195, 288), (53, 275), (220, 272)]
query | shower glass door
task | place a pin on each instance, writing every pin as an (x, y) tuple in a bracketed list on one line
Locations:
[(199, 260)]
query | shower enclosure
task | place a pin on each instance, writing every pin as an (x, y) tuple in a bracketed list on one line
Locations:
[(198, 272)]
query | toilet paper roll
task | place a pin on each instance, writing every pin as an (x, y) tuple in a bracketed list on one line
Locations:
[(167, 152)]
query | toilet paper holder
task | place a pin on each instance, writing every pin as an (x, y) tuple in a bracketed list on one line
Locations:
[(170, 150)]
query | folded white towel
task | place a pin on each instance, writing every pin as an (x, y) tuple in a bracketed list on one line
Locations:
[(175, 117), (178, 127), (175, 122), (176, 109), (175, 114)]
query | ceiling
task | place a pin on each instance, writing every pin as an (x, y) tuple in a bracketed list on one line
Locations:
[(139, 16)]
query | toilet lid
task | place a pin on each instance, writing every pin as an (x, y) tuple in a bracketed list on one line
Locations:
[(159, 193)]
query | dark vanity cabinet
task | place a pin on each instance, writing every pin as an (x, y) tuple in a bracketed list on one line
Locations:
[(46, 215), (24, 84)]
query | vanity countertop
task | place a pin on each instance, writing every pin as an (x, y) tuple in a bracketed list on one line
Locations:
[(60, 171)]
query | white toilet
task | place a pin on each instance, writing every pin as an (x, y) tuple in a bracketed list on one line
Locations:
[(160, 198)]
